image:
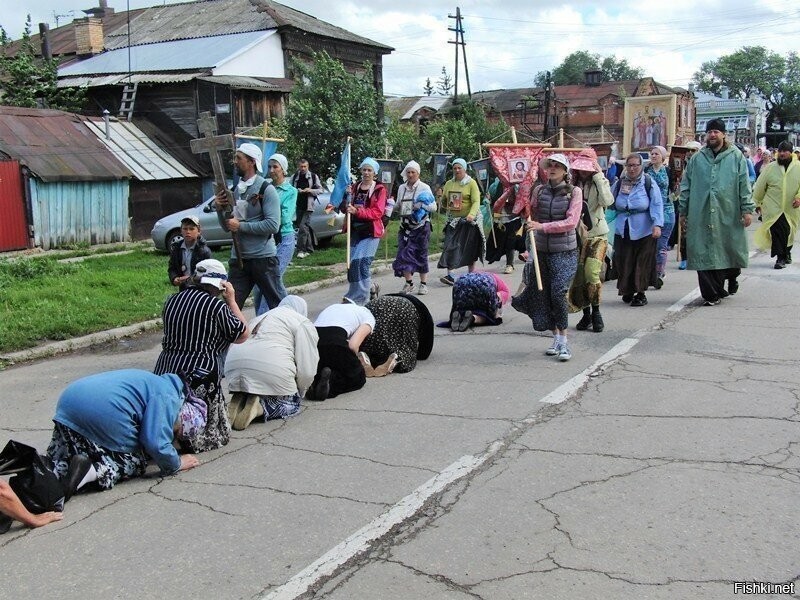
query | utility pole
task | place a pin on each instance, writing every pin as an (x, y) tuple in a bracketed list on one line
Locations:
[(546, 126), (459, 41)]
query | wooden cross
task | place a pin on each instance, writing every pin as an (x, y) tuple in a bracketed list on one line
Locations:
[(212, 144)]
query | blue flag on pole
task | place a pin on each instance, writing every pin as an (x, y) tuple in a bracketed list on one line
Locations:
[(342, 178)]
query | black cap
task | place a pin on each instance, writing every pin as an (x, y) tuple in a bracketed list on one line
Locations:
[(717, 124)]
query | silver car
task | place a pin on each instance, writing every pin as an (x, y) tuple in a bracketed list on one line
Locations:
[(168, 229)]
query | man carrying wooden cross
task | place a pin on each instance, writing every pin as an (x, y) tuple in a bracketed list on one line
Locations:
[(256, 218)]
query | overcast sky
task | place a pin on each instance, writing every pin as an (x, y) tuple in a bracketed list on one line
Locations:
[(508, 42)]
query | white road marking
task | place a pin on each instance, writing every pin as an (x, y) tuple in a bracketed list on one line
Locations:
[(360, 541), (569, 387)]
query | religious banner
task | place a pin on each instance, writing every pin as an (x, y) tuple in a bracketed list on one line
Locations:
[(649, 121), (677, 163), (481, 169), (439, 170), (388, 173), (516, 164)]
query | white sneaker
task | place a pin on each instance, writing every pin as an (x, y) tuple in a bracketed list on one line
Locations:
[(423, 289), (302, 254), (554, 348), (408, 287), (508, 270), (564, 353)]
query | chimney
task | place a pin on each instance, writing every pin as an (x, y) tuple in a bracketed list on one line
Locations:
[(89, 35), (44, 35), (592, 77), (725, 92)]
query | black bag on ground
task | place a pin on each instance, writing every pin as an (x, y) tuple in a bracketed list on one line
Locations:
[(38, 487)]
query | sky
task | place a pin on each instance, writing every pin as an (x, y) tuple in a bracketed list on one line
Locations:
[(509, 42)]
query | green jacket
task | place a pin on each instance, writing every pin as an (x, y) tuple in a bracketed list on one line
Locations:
[(715, 193)]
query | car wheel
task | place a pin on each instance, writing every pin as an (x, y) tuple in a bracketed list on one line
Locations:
[(173, 236)]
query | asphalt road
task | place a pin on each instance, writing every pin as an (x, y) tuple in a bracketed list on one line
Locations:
[(661, 462)]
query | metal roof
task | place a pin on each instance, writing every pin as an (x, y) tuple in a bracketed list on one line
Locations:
[(408, 105), (266, 84), (179, 55), (56, 146), (204, 18), (136, 151), (100, 80)]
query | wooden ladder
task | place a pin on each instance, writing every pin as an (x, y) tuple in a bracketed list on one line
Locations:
[(128, 100)]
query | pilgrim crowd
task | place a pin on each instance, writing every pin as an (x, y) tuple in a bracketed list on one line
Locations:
[(579, 226)]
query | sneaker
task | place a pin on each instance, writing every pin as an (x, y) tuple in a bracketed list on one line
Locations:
[(251, 410), (423, 289), (455, 320), (374, 291), (302, 254), (659, 282), (682, 265), (712, 302), (408, 287), (780, 264), (627, 298), (564, 353), (733, 287), (554, 348), (508, 270), (447, 279)]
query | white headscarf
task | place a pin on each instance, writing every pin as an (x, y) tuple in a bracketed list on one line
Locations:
[(413, 165), (296, 303)]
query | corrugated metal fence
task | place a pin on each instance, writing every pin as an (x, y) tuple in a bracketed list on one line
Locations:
[(71, 212)]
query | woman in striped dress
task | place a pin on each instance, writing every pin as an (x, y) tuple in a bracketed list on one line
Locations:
[(198, 328)]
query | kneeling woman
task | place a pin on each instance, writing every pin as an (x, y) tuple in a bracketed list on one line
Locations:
[(478, 299), (198, 328), (269, 373), (120, 418), (341, 329), (403, 334)]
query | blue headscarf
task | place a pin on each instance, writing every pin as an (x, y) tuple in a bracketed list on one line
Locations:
[(370, 162)]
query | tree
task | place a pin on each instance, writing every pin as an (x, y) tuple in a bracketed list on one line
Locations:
[(428, 89), (571, 70), (327, 105), (31, 82), (445, 83), (756, 70)]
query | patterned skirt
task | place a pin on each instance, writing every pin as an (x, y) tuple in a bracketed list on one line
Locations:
[(280, 407), (476, 292), (397, 325), (111, 466), (412, 250), (217, 433)]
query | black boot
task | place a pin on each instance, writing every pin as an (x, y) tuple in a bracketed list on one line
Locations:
[(79, 466), (585, 321), (597, 320)]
